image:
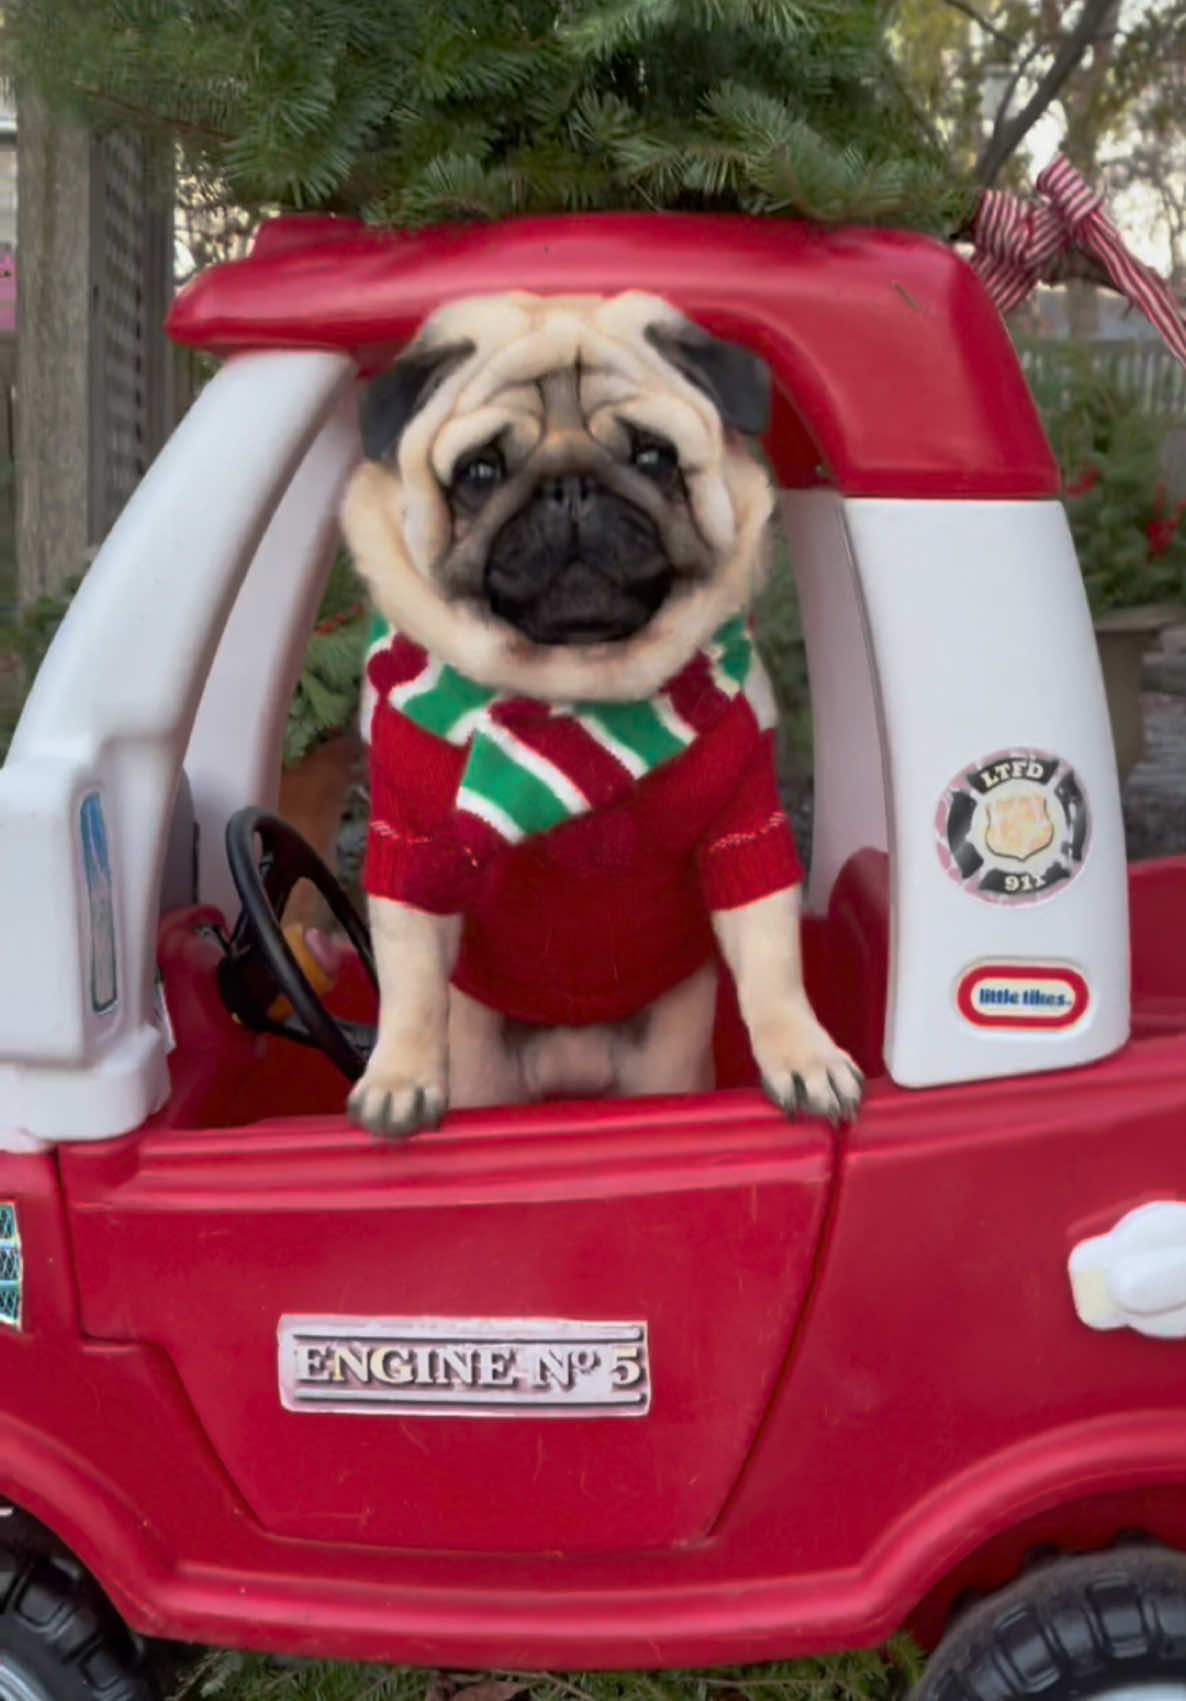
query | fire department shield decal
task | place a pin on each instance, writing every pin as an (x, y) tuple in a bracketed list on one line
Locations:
[(1014, 828)]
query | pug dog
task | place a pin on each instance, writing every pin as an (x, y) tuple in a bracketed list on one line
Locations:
[(575, 817)]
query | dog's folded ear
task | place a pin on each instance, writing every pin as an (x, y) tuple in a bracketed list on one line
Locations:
[(736, 380), (390, 400)]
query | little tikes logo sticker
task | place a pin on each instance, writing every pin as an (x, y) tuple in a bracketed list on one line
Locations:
[(1019, 995), (1014, 828)]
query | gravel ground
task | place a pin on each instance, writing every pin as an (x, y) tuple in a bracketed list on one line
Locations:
[(1155, 791)]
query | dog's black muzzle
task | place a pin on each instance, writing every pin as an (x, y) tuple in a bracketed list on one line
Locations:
[(577, 565)]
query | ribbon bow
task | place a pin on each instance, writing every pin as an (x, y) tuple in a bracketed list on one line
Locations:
[(1016, 244)]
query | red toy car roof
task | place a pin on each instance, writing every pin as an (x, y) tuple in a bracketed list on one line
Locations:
[(895, 373)]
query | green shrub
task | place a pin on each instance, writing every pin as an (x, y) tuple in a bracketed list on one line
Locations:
[(1131, 542), (23, 643), (326, 695), (780, 642)]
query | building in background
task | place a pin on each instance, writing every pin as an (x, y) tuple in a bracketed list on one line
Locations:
[(7, 211), (8, 216), (94, 256)]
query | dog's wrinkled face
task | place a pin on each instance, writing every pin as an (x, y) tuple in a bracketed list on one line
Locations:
[(566, 468), (569, 539)]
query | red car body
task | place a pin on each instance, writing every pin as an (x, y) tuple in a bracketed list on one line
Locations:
[(871, 1390)]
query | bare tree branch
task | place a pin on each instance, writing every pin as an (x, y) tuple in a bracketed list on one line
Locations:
[(986, 24), (1019, 71), (1008, 132)]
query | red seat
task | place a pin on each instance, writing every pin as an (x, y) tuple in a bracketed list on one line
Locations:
[(1157, 930), (846, 959), (845, 968)]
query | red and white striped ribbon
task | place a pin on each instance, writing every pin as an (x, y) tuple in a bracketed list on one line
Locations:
[(1016, 242)]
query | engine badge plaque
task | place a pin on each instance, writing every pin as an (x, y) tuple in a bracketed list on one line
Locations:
[(463, 1367)]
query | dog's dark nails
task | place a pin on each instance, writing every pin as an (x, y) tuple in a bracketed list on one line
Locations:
[(399, 1128), (780, 1101)]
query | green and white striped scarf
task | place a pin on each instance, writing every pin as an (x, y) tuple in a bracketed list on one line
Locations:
[(531, 767)]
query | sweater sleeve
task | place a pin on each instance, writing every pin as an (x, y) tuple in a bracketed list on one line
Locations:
[(748, 850), (414, 853)]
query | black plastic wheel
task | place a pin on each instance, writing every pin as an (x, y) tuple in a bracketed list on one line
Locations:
[(61, 1640), (1096, 1625)]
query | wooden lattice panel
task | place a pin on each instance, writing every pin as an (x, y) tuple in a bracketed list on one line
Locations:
[(130, 233)]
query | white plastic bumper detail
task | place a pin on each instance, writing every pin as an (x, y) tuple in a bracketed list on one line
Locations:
[(1134, 1277)]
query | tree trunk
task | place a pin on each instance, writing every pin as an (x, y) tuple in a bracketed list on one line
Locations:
[(53, 219), (1083, 310), (1082, 148)]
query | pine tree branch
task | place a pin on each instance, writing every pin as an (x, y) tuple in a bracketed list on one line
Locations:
[(1007, 133), (146, 120), (914, 106), (410, 112)]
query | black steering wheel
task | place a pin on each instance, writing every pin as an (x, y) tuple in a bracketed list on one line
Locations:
[(264, 880)]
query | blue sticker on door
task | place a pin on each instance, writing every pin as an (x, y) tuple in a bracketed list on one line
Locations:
[(96, 864), (10, 1267)]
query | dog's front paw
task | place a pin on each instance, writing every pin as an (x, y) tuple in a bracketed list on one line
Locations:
[(390, 1103), (804, 1069)]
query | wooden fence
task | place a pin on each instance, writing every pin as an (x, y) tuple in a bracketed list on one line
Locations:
[(1144, 368)]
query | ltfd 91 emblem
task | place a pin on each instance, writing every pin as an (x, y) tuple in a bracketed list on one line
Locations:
[(1014, 828), (467, 1367)]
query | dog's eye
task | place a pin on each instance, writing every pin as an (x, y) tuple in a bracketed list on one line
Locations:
[(658, 460), (481, 472)]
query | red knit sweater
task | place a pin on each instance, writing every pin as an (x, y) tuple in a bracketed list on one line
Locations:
[(591, 921)]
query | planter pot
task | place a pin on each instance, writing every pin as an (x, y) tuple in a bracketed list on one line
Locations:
[(1124, 636), (313, 799)]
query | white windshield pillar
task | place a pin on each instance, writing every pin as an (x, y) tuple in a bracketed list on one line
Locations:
[(88, 788)]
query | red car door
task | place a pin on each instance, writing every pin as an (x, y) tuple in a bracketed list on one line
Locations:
[(540, 1330)]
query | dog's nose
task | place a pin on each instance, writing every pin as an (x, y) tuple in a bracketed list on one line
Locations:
[(571, 491)]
